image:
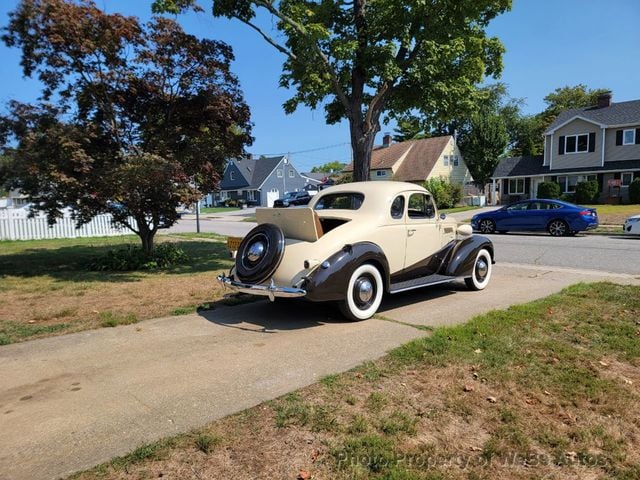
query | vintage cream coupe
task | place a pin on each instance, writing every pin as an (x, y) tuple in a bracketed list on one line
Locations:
[(353, 243)]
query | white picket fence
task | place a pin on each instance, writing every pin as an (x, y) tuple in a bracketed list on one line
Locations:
[(15, 225)]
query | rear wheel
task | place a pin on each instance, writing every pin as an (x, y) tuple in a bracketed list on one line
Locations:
[(558, 228), (481, 273), (364, 293), (487, 225)]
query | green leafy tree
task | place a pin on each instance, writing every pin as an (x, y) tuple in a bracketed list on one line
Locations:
[(364, 59), (587, 192), (445, 194), (145, 115), (331, 167)]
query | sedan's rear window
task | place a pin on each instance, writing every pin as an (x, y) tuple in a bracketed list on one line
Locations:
[(340, 201)]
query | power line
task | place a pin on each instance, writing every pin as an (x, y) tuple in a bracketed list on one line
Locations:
[(327, 147)]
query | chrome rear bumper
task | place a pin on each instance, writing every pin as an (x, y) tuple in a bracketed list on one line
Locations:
[(272, 291)]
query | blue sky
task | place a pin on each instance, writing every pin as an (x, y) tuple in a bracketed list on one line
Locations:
[(549, 44)]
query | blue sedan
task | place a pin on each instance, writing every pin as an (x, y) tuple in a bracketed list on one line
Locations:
[(554, 216)]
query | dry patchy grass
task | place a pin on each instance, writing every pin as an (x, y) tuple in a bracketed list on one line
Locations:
[(543, 390), (615, 214), (46, 288)]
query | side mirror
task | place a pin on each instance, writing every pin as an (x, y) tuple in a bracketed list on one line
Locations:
[(443, 216)]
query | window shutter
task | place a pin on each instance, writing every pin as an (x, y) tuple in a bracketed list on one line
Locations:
[(561, 145), (618, 137), (592, 142), (637, 136)]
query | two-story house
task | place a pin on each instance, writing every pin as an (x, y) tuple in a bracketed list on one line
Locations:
[(418, 160), (259, 181), (599, 143)]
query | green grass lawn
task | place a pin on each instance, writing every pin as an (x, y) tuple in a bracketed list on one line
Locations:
[(548, 389), (459, 209), (46, 287), (615, 214), (218, 209)]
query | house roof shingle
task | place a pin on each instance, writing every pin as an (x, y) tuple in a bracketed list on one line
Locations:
[(421, 156), (256, 171), (621, 113)]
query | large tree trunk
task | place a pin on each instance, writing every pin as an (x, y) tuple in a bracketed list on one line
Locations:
[(362, 140), (146, 235)]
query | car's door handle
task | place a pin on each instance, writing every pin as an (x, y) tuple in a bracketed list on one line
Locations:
[(410, 232)]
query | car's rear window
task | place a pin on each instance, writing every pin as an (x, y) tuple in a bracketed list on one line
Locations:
[(340, 201)]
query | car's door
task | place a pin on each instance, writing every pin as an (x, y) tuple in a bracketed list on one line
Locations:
[(537, 215), (516, 217), (422, 229)]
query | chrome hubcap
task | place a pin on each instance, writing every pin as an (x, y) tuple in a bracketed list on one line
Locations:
[(256, 250), (364, 290), (485, 226), (482, 268)]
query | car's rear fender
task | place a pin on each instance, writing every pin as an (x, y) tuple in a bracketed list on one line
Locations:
[(330, 280), (462, 257)]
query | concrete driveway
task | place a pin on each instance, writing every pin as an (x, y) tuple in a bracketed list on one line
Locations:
[(70, 402)]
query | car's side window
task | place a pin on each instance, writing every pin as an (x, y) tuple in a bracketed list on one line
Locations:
[(537, 206), (517, 207), (553, 206), (421, 206), (397, 207)]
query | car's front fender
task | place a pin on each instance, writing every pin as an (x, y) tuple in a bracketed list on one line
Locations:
[(330, 281), (462, 257)]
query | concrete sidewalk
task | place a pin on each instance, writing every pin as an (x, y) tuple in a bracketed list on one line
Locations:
[(68, 403)]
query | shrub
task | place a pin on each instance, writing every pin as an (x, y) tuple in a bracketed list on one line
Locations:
[(231, 203), (568, 197), (549, 190), (445, 194), (634, 191), (587, 192), (134, 258)]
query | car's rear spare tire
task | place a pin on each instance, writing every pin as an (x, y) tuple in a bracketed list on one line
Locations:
[(259, 253)]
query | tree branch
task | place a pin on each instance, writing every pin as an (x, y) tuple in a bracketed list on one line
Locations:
[(270, 40), (325, 60)]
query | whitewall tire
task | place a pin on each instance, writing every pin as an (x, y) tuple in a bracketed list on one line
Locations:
[(364, 293), (481, 273)]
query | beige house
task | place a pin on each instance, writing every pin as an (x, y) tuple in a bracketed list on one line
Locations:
[(600, 143), (418, 160)]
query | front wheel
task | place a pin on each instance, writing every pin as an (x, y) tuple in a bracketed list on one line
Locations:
[(487, 225), (481, 273), (364, 293)]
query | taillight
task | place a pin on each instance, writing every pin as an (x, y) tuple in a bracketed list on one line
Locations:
[(586, 213)]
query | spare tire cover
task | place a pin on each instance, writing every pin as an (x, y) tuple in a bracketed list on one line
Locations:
[(260, 253)]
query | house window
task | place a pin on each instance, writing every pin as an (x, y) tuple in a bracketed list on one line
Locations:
[(291, 174), (516, 186), (446, 160), (568, 182), (576, 143), (232, 175), (629, 137), (381, 173), (627, 178), (251, 195), (456, 161), (279, 173)]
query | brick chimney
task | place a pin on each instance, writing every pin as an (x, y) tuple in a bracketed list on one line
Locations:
[(386, 140), (604, 100)]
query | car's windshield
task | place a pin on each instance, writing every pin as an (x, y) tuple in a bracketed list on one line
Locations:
[(289, 195), (340, 201)]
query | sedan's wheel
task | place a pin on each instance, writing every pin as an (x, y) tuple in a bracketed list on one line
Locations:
[(364, 293), (558, 228), (487, 225), (481, 274), (260, 253)]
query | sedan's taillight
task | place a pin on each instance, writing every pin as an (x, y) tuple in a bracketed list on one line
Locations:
[(587, 213)]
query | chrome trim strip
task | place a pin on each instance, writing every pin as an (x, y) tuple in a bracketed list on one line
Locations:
[(272, 291)]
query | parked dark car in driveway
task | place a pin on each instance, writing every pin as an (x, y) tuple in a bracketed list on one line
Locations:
[(554, 216), (293, 198)]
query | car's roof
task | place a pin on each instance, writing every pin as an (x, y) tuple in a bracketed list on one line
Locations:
[(374, 187), (549, 200)]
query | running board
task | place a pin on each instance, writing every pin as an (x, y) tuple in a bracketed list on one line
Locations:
[(419, 283)]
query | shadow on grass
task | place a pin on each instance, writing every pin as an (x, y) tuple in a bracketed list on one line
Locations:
[(71, 263), (268, 317)]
